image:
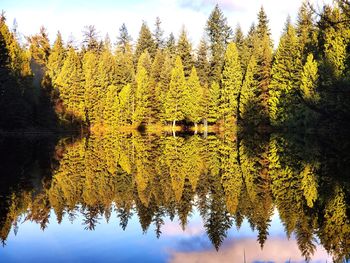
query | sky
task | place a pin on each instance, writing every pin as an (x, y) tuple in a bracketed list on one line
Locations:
[(70, 16)]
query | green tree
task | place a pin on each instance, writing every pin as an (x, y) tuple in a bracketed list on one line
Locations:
[(71, 89), (192, 97), (219, 34), (145, 42), (214, 103), (158, 34), (173, 107), (202, 63), (184, 51), (56, 58), (143, 94), (231, 83), (285, 79), (123, 39)]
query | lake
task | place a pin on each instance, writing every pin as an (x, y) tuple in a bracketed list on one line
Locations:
[(132, 197)]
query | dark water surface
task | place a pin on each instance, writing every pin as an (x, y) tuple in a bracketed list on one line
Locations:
[(148, 198)]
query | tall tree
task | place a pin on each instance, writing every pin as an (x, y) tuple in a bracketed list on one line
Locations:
[(219, 34), (192, 97), (231, 83), (143, 106), (145, 42), (202, 63), (123, 39), (56, 58), (285, 79), (184, 51), (173, 107), (91, 38), (158, 34)]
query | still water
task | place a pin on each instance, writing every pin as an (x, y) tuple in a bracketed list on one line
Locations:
[(157, 198)]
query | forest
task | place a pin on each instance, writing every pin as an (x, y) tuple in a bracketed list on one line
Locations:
[(231, 79)]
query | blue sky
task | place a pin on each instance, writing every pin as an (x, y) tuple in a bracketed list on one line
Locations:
[(70, 16)]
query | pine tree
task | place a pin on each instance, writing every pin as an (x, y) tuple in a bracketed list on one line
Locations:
[(219, 34), (231, 83), (249, 107), (306, 30), (214, 103), (143, 94), (145, 42), (125, 72), (123, 39), (71, 89), (309, 80), (155, 78), (171, 45), (93, 93), (158, 34), (192, 98), (173, 108), (56, 58), (126, 110), (202, 63), (40, 47), (285, 80), (184, 51), (163, 85), (91, 38)]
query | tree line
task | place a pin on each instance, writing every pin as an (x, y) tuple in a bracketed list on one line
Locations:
[(231, 78)]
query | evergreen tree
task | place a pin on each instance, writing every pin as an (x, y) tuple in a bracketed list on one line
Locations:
[(171, 45), (158, 34), (231, 83), (91, 38), (143, 94), (93, 92), (306, 30), (56, 58), (123, 39), (249, 108), (192, 98), (71, 89), (184, 51), (219, 34), (285, 79), (173, 108), (145, 42), (214, 103), (202, 63)]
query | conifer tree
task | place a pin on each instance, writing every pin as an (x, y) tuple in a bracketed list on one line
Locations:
[(91, 38), (125, 112), (171, 45), (163, 85), (285, 79), (123, 39), (249, 107), (219, 34), (143, 106), (309, 80), (93, 92), (184, 51), (192, 97), (202, 63), (306, 30), (56, 58), (231, 83), (214, 103), (145, 42), (40, 47), (158, 34), (173, 108), (70, 82)]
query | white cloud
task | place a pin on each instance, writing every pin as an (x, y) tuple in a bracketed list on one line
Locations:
[(275, 250)]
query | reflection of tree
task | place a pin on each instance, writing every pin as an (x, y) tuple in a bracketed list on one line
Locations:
[(227, 179)]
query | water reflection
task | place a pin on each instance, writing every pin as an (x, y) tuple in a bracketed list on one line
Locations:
[(225, 181)]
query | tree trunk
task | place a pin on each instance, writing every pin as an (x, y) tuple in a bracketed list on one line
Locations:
[(205, 122), (174, 128)]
